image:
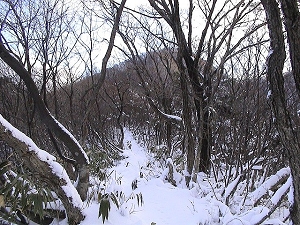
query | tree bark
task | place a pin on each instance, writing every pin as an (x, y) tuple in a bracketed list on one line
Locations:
[(189, 142), (292, 24), (288, 135), (45, 168)]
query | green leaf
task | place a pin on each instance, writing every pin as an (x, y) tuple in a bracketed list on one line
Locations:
[(47, 195), (104, 208), (99, 197), (38, 205), (17, 189), (4, 167), (9, 186)]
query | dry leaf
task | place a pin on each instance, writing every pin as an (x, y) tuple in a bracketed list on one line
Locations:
[(2, 203)]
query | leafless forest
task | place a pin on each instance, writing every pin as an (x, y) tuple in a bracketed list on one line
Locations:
[(213, 85)]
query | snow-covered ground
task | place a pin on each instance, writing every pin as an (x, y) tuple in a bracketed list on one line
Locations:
[(154, 201)]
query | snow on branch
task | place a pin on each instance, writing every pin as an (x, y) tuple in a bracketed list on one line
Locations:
[(171, 117), (231, 187), (273, 204), (273, 181), (72, 137), (44, 165)]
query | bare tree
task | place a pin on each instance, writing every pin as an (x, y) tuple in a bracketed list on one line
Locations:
[(158, 78), (289, 135), (10, 57), (21, 48), (116, 89), (214, 47), (114, 10)]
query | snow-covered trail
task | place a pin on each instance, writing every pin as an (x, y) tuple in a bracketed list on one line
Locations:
[(163, 203)]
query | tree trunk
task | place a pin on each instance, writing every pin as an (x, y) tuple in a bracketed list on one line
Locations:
[(67, 138), (204, 163), (45, 168), (122, 136), (275, 63), (187, 122), (292, 24), (192, 68)]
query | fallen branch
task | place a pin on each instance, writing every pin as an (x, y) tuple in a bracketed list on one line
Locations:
[(270, 184), (44, 166), (274, 202)]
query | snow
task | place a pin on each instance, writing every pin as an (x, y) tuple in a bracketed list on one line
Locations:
[(291, 194), (271, 51), (256, 167), (44, 156), (269, 94), (281, 191), (173, 117), (72, 137), (231, 186), (263, 189), (165, 204)]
